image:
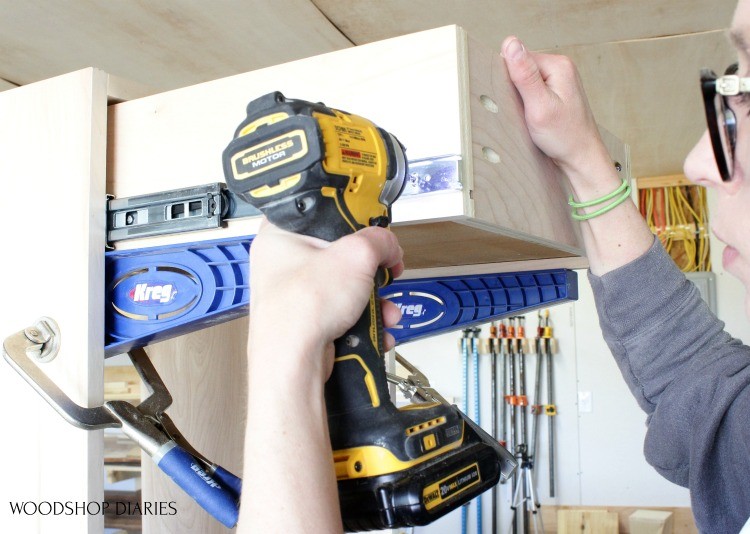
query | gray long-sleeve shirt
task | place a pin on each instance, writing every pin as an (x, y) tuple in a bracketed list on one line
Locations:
[(690, 377)]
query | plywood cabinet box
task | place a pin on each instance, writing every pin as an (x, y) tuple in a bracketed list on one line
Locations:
[(438, 91)]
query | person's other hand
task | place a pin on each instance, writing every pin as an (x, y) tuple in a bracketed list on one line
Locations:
[(557, 111), (307, 292)]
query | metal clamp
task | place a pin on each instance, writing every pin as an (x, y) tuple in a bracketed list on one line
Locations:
[(416, 387), (212, 486), (41, 341)]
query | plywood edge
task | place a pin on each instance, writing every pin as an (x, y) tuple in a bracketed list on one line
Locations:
[(573, 263), (41, 84), (96, 231), (425, 207), (652, 182), (92, 371), (464, 92), (619, 151)]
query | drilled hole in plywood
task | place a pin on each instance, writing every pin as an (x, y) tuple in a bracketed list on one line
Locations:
[(490, 155), (489, 104)]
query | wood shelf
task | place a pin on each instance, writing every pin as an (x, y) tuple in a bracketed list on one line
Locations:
[(651, 182)]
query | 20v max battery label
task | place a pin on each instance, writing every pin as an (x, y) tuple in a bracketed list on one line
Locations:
[(451, 486)]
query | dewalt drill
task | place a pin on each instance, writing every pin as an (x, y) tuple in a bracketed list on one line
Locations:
[(327, 173)]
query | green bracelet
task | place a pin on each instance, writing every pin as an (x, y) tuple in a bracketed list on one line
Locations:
[(624, 189), (594, 202)]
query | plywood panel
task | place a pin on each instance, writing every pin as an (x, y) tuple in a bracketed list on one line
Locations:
[(647, 93), (515, 187), (175, 139), (5, 85), (541, 24), (165, 44), (52, 140), (586, 522), (206, 374), (683, 522)]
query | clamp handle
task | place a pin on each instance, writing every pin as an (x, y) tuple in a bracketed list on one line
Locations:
[(229, 480), (218, 495)]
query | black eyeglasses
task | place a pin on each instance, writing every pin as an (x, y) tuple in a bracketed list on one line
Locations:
[(722, 122)]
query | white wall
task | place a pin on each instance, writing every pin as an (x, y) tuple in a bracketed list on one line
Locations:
[(599, 453), (730, 292)]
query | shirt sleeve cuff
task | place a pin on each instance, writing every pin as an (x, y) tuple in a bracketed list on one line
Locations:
[(638, 291)]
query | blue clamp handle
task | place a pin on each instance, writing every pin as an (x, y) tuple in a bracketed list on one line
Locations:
[(219, 495), (228, 479)]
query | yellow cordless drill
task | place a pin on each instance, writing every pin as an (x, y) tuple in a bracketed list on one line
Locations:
[(326, 173)]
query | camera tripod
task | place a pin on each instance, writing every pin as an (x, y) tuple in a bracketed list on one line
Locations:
[(525, 495), (524, 492)]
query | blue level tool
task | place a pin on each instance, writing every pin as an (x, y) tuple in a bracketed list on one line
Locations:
[(158, 293)]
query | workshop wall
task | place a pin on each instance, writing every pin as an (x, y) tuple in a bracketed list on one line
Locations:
[(599, 453)]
